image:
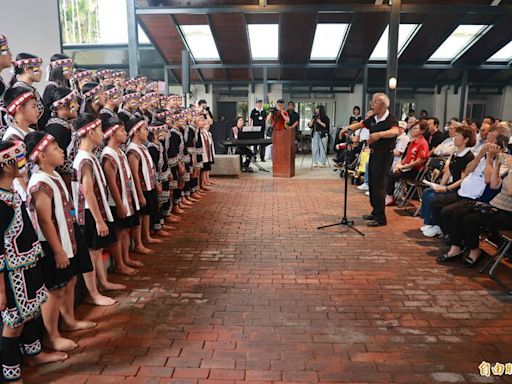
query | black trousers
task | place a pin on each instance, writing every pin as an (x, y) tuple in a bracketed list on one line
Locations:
[(394, 177), (445, 208), (473, 223), (378, 176), (244, 151)]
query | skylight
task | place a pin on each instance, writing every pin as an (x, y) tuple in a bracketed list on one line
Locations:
[(264, 41), (328, 40), (461, 39), (199, 40), (405, 34), (504, 54)]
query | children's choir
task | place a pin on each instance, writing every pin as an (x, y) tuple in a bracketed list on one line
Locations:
[(98, 163)]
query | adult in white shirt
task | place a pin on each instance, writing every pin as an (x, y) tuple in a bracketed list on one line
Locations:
[(447, 147), (481, 138)]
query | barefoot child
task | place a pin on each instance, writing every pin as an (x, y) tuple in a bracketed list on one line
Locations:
[(143, 172), (123, 200), (91, 206), (66, 255), (22, 290), (158, 155)]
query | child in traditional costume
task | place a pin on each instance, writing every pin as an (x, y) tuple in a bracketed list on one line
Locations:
[(27, 71), (93, 213), (64, 108), (123, 200), (21, 106), (22, 290), (143, 171), (65, 250)]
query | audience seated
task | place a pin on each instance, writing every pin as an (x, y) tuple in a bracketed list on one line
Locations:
[(412, 163), (454, 174)]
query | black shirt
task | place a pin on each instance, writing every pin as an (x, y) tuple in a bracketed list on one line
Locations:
[(458, 164), (383, 125), (258, 117), (294, 117), (353, 119), (434, 140), (322, 130)]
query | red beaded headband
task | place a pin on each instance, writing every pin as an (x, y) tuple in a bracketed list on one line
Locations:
[(93, 91), (149, 96), (81, 74), (32, 62), (61, 63), (130, 96), (19, 101), (112, 91), (40, 147), (65, 100), (119, 74), (89, 127), (156, 128), (163, 114), (130, 81), (141, 79), (104, 73), (110, 131), (136, 127)]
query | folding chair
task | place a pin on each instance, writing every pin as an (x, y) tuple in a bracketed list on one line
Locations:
[(431, 171), (501, 252)]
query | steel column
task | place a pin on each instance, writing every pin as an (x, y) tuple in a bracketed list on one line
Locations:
[(364, 105), (463, 92), (185, 76), (392, 66), (133, 39)]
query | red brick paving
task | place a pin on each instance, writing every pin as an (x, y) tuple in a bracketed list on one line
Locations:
[(249, 291)]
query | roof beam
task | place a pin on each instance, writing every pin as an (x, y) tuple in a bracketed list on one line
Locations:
[(332, 8), (495, 3), (341, 66), (221, 56)]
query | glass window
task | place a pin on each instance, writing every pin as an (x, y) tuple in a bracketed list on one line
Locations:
[(199, 40), (405, 34), (504, 54), (328, 40), (264, 41), (91, 22), (460, 39)]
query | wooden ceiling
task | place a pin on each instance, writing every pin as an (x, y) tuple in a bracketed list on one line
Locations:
[(297, 29)]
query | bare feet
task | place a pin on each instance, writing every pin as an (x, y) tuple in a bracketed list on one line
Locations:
[(152, 240), (108, 286), (186, 202), (177, 210), (161, 233), (196, 196), (173, 219), (166, 227), (143, 251), (78, 325), (127, 271), (60, 344), (45, 358), (101, 300), (134, 263)]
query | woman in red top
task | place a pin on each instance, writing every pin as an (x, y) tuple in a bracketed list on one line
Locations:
[(415, 157)]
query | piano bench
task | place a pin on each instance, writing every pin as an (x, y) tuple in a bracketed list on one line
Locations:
[(226, 165)]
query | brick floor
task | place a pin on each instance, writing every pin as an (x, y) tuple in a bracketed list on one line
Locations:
[(249, 291)]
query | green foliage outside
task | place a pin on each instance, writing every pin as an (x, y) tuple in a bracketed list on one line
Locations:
[(79, 21)]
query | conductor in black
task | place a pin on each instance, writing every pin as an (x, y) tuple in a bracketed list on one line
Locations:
[(383, 132)]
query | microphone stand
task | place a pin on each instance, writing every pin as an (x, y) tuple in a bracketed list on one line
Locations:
[(344, 220)]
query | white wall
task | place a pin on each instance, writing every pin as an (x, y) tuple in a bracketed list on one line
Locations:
[(31, 27)]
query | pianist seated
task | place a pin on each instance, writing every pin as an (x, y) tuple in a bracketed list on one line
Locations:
[(243, 151)]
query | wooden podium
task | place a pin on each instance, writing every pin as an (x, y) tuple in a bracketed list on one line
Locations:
[(283, 153)]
